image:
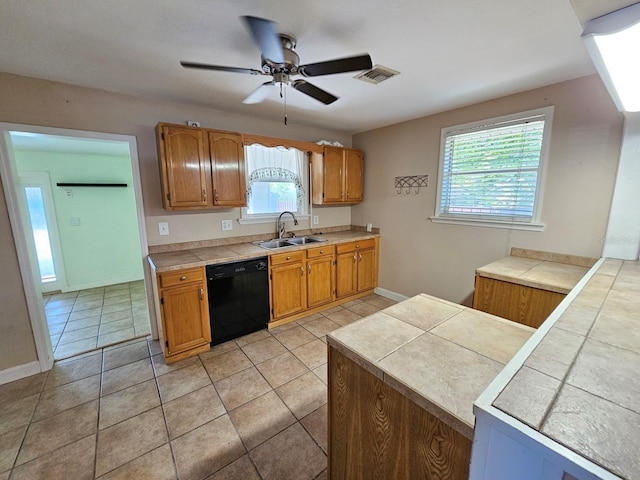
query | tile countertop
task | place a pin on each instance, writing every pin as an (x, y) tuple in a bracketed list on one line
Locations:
[(580, 385), (439, 354), (201, 256), (544, 270)]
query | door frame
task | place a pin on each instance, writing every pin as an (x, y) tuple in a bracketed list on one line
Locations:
[(26, 260)]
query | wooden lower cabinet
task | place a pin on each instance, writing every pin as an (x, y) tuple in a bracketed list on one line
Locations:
[(375, 432), (320, 276), (185, 313), (288, 284), (526, 305), (356, 267)]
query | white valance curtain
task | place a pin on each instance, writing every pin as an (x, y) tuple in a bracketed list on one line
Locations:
[(259, 157), (273, 164)]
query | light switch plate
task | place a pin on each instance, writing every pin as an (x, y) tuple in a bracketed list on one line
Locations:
[(227, 225), (75, 222), (163, 228)]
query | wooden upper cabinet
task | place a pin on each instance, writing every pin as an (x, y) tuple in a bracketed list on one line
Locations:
[(227, 165), (337, 176), (200, 168), (185, 167), (332, 176), (354, 175)]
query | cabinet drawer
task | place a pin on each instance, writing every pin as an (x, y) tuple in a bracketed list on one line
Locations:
[(180, 277), (359, 245), (284, 258), (316, 252)]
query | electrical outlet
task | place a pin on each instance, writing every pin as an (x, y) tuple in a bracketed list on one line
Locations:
[(163, 228), (316, 220), (227, 225), (193, 123), (75, 222), (369, 226)]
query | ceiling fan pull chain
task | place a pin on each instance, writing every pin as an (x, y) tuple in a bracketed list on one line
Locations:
[(285, 103)]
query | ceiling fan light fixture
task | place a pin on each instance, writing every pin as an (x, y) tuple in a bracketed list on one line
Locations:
[(613, 41)]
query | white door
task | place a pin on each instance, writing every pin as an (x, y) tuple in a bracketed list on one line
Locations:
[(42, 229)]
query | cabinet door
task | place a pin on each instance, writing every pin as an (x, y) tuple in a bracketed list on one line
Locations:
[(366, 269), (185, 317), (346, 274), (227, 163), (288, 290), (185, 168), (320, 281), (333, 175), (353, 175)]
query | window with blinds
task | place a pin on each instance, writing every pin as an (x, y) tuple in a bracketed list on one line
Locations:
[(491, 171)]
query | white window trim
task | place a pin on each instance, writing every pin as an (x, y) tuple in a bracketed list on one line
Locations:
[(536, 223)]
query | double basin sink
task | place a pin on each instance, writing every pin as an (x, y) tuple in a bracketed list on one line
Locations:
[(287, 242)]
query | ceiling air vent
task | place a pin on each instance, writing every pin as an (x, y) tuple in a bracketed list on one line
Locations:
[(377, 74)]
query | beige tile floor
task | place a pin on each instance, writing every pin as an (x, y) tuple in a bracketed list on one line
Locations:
[(89, 319), (251, 408)]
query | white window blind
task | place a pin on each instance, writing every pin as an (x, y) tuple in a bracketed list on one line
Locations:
[(492, 171)]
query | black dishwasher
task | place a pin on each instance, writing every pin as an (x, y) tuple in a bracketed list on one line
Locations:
[(238, 298)]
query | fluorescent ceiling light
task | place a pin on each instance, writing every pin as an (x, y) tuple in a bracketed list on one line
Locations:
[(613, 41)]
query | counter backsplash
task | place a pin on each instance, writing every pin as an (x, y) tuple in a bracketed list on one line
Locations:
[(220, 242)]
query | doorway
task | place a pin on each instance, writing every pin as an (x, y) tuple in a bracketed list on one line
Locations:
[(58, 236)]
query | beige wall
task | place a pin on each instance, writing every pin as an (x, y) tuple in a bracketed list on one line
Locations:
[(420, 256), (31, 101)]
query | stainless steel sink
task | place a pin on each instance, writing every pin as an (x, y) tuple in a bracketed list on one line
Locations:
[(271, 244), (287, 242), (304, 240)]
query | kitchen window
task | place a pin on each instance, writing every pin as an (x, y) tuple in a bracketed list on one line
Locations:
[(491, 172), (275, 183)]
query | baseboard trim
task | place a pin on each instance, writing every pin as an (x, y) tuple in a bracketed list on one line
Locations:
[(383, 292), (19, 371)]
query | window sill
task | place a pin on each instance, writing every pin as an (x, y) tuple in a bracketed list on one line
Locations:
[(270, 219), (472, 222)]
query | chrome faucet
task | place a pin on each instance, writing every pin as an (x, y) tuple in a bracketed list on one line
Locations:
[(280, 224)]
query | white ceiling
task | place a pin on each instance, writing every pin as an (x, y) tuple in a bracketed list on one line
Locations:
[(450, 52)]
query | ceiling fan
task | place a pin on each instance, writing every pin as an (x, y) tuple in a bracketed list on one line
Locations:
[(281, 62)]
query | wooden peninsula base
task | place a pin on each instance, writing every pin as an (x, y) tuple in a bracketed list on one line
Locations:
[(402, 383), (378, 433)]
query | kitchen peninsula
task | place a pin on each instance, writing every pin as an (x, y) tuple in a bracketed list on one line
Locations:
[(411, 387), (402, 383)]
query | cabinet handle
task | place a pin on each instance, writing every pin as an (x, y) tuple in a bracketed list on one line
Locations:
[(301, 271), (288, 258), (309, 269), (360, 257), (321, 252), (201, 294), (215, 195), (204, 195), (183, 278), (355, 258)]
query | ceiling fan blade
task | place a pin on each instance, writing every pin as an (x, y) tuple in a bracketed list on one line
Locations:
[(340, 65), (206, 66), (259, 94), (265, 36), (313, 91)]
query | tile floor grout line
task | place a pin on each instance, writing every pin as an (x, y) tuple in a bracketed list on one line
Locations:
[(149, 350)]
